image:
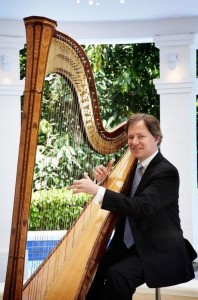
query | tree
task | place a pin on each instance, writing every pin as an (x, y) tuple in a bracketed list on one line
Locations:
[(124, 76), (124, 79)]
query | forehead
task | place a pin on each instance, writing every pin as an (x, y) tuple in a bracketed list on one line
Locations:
[(137, 127)]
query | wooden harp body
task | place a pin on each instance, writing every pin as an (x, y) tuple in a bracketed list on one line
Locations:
[(69, 269)]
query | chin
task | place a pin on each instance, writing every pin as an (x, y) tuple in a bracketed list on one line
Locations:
[(136, 156)]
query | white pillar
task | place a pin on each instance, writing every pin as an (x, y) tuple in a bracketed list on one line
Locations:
[(178, 87), (11, 89)]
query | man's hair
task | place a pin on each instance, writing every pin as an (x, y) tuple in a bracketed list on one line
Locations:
[(151, 122)]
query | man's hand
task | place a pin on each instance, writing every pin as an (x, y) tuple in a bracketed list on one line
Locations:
[(84, 185), (101, 172)]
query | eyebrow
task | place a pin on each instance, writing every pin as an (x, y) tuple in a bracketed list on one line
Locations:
[(140, 133)]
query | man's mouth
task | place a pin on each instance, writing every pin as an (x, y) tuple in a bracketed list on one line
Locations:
[(136, 149)]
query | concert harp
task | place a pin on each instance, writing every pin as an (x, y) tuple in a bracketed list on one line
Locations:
[(68, 270)]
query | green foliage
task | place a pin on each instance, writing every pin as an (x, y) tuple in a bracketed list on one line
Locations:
[(55, 159), (55, 209), (124, 79), (59, 161), (23, 59)]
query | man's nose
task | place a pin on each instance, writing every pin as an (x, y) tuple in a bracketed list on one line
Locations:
[(135, 140)]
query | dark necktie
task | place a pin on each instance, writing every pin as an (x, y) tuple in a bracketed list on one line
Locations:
[(128, 237)]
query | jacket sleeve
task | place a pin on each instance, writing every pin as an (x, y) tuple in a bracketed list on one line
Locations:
[(156, 190)]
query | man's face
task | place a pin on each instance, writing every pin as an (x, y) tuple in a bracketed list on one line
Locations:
[(142, 143)]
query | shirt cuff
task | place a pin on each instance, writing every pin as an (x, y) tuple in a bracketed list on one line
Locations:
[(99, 195)]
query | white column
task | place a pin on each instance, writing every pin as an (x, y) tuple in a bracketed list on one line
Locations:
[(11, 89), (178, 87)]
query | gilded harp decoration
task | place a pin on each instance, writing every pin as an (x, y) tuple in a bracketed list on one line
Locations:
[(68, 270)]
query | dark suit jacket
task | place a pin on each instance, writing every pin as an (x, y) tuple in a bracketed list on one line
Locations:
[(154, 219)]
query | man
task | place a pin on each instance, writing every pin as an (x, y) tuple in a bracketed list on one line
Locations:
[(157, 252)]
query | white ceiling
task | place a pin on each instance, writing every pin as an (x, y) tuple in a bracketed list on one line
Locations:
[(107, 10)]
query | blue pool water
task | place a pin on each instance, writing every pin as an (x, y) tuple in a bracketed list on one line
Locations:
[(39, 250), (39, 245)]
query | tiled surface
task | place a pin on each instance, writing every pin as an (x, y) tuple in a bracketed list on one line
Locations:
[(38, 250)]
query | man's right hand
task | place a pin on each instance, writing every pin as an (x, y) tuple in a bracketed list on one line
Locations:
[(101, 172)]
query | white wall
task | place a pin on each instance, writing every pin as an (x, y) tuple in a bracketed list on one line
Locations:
[(11, 88)]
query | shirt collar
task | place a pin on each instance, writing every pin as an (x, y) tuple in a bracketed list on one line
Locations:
[(146, 162)]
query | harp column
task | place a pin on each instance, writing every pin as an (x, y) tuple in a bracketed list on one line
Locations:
[(178, 87), (11, 89)]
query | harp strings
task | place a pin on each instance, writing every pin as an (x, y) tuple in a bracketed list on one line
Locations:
[(63, 154), (59, 128)]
